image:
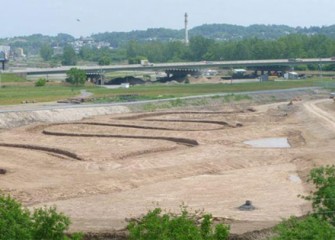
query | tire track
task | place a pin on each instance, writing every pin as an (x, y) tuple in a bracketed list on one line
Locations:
[(327, 119)]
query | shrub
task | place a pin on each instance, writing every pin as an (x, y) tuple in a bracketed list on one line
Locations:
[(76, 76), (48, 224), (158, 226), (40, 82), (104, 61), (323, 198), (310, 228), (17, 222), (320, 224)]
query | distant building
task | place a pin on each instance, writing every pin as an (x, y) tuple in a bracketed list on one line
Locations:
[(5, 51), (19, 53), (88, 42), (291, 75), (239, 72), (210, 72), (58, 50)]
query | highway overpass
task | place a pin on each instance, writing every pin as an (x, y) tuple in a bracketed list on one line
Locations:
[(180, 65)]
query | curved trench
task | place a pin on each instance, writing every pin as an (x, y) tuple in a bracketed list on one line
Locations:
[(183, 141), (43, 149), (221, 123)]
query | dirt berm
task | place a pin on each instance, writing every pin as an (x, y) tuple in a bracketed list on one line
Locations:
[(20, 118)]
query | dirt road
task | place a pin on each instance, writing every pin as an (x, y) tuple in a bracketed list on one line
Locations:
[(327, 117)]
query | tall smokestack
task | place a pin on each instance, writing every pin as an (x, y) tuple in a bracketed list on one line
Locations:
[(186, 30)]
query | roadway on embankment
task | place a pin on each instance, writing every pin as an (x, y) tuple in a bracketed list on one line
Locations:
[(180, 65)]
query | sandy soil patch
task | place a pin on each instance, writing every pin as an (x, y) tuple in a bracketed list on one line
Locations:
[(127, 162)]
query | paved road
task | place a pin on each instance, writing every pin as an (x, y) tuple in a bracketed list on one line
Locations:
[(51, 106)]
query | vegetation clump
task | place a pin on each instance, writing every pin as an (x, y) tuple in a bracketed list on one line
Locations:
[(76, 76), (17, 222), (319, 224), (40, 82), (156, 225)]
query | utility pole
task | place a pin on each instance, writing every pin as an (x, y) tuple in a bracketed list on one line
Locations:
[(0, 78), (101, 77)]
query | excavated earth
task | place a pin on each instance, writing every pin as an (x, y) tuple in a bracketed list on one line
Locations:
[(104, 169)]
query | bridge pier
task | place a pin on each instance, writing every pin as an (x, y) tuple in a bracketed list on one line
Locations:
[(96, 78)]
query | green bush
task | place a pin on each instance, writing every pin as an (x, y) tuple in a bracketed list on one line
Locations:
[(40, 82), (76, 76), (17, 222), (104, 61), (158, 226), (323, 197), (320, 224), (310, 228)]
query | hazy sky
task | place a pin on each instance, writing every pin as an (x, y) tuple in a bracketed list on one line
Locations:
[(25, 17)]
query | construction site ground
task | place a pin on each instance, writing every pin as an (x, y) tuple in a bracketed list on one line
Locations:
[(105, 169)]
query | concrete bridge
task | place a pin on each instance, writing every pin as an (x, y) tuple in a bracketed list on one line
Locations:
[(181, 66)]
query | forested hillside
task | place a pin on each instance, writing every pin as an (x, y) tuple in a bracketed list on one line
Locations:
[(222, 32), (214, 42)]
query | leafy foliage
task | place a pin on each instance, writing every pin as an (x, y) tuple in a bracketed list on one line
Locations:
[(69, 56), (201, 48), (40, 82), (104, 61), (46, 52), (323, 198), (310, 228), (76, 76), (48, 224), (17, 222), (158, 226), (320, 224)]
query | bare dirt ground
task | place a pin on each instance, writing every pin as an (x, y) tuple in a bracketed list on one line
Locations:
[(104, 169)]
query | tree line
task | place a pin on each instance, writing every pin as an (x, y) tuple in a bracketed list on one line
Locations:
[(218, 32), (201, 49)]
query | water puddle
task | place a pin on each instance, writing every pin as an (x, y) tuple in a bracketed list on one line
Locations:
[(295, 179), (269, 143)]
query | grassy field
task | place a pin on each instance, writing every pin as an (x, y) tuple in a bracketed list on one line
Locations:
[(26, 91), (10, 78)]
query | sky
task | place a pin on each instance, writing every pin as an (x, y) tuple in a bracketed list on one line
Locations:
[(86, 17)]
